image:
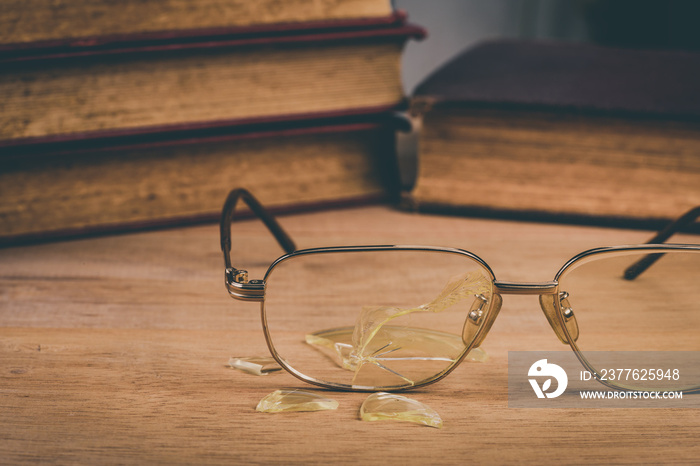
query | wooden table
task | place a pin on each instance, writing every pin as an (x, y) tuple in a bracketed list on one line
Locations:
[(113, 350)]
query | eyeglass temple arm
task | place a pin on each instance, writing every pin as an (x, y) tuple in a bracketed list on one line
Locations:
[(268, 219), (636, 269)]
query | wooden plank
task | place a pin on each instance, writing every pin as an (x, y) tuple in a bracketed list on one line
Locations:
[(113, 350)]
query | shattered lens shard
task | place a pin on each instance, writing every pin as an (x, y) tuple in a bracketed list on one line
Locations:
[(294, 401), (254, 365), (390, 407), (411, 354)]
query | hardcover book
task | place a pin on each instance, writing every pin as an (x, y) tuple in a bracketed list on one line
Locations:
[(62, 190), (560, 131), (105, 129), (62, 94)]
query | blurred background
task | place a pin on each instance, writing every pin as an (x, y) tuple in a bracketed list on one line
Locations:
[(454, 25)]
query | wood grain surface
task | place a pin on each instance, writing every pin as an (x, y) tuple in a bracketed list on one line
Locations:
[(113, 350)]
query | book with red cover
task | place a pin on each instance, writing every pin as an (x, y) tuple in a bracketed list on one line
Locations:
[(67, 189), (263, 32), (127, 132), (139, 84)]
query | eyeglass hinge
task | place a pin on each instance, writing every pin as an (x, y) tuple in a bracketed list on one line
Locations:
[(240, 287)]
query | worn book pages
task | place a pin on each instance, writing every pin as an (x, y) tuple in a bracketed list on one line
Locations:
[(23, 21), (556, 164)]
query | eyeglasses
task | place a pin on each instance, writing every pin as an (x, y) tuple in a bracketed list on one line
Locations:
[(370, 318)]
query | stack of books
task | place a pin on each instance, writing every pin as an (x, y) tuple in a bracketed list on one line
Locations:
[(125, 115), (560, 131)]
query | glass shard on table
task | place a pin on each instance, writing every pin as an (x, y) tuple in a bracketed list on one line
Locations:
[(384, 406), (255, 365), (294, 401)]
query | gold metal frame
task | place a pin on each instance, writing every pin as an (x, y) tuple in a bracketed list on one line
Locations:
[(489, 314), (240, 287)]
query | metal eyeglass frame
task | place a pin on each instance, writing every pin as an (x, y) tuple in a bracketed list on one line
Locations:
[(556, 311)]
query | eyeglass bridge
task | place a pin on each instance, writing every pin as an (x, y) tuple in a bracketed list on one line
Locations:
[(240, 287)]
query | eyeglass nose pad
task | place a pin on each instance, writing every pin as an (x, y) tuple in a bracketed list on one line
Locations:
[(478, 317), (548, 304)]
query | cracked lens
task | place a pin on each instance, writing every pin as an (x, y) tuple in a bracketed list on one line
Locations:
[(373, 347)]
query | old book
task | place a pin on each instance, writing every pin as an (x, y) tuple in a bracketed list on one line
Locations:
[(560, 131), (62, 190), (25, 22), (135, 88)]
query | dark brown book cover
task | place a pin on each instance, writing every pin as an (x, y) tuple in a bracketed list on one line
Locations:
[(579, 77)]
